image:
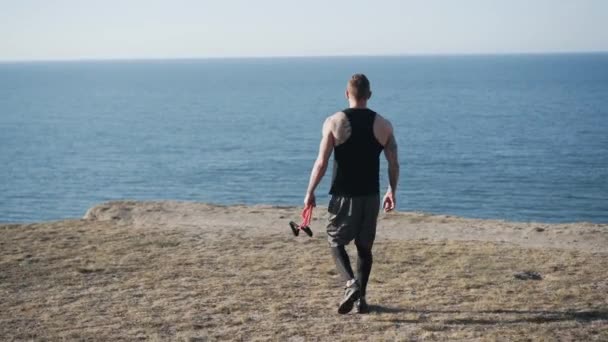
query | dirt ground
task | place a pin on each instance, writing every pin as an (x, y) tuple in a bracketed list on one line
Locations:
[(192, 272)]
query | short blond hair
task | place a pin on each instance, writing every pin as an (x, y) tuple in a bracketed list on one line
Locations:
[(358, 87)]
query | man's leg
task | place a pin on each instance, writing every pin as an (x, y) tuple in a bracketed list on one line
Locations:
[(342, 263), (342, 229), (352, 290), (364, 265), (364, 243)]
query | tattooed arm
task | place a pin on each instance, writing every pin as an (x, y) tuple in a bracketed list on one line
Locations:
[(390, 152)]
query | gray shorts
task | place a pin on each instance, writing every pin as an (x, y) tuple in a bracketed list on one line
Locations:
[(352, 218)]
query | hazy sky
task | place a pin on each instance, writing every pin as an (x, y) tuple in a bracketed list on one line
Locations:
[(77, 29)]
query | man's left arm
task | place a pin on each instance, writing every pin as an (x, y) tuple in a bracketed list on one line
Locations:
[(318, 171)]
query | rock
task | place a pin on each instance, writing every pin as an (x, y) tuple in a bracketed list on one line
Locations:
[(111, 211), (539, 229), (528, 275)]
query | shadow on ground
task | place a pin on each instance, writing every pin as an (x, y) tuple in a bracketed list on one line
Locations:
[(525, 316)]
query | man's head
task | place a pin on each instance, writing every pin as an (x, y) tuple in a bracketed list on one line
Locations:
[(358, 88)]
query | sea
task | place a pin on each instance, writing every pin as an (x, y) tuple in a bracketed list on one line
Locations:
[(509, 137)]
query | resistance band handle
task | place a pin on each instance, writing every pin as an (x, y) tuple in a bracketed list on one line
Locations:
[(306, 216)]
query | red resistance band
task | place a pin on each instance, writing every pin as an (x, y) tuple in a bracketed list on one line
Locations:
[(306, 216)]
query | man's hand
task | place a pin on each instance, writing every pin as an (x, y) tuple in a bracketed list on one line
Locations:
[(310, 200), (388, 203)]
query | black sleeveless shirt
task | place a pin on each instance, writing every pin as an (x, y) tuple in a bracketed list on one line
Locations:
[(357, 160)]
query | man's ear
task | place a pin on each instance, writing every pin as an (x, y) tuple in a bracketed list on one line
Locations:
[(346, 94), (370, 95)]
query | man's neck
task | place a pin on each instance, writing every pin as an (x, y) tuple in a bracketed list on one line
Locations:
[(357, 104)]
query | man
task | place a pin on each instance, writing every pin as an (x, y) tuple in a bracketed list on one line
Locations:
[(357, 135)]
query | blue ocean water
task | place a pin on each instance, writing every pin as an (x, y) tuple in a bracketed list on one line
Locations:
[(516, 137)]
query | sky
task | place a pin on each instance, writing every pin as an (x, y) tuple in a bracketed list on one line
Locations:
[(134, 29)]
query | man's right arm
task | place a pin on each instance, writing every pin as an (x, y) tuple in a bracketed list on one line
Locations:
[(390, 152)]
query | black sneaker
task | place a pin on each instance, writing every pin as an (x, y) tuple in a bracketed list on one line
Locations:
[(361, 306), (351, 294)]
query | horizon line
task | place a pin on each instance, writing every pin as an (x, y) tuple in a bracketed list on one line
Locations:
[(230, 57)]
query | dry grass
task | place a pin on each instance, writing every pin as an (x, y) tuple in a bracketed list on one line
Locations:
[(78, 280)]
